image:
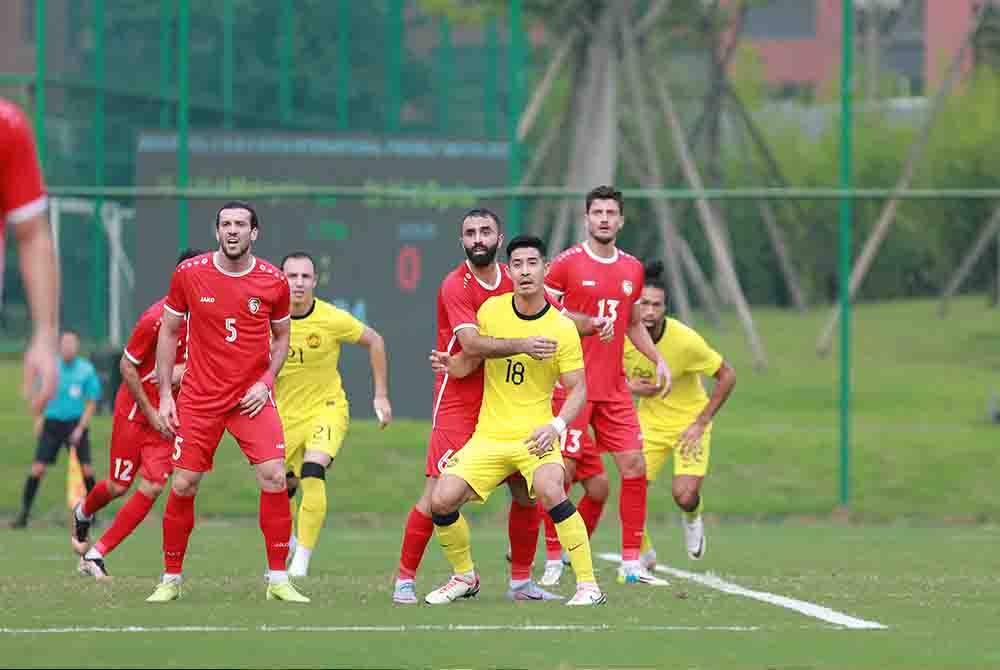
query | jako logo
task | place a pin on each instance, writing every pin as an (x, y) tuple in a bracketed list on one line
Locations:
[(206, 299), (280, 445)]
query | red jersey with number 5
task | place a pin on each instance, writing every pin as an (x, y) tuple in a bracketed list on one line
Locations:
[(457, 401), (229, 327), (596, 286), (141, 351)]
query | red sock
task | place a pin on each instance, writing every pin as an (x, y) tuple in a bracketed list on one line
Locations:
[(419, 529), (591, 511), (98, 498), (632, 508), (522, 528), (128, 519), (178, 520), (276, 524)]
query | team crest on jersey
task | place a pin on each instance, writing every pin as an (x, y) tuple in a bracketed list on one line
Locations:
[(313, 341), (254, 305), (627, 287)]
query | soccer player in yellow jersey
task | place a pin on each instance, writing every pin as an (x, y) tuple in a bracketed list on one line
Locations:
[(682, 421), (516, 431), (311, 399)]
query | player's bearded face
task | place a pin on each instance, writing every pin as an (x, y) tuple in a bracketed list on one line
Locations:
[(480, 239), (604, 220), (652, 308), (235, 233)]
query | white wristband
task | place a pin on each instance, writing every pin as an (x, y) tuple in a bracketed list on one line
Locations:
[(558, 424)]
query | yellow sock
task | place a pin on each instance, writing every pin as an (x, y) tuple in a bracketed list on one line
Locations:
[(647, 544), (456, 542), (312, 514), (691, 516), (572, 533)]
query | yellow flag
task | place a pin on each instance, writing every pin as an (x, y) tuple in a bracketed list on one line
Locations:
[(75, 488)]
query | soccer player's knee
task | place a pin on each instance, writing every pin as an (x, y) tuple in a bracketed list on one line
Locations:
[(597, 487), (632, 464), (115, 489), (184, 487), (442, 504), (151, 489), (37, 470), (686, 498)]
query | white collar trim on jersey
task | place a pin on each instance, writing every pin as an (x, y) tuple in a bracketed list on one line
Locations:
[(495, 285), (600, 259), (253, 264)]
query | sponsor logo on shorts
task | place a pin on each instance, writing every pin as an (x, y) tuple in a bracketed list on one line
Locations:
[(206, 298), (589, 282), (280, 446)]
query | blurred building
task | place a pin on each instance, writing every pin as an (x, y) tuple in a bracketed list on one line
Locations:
[(798, 41)]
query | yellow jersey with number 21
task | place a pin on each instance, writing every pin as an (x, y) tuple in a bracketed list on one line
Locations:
[(309, 381), (517, 395)]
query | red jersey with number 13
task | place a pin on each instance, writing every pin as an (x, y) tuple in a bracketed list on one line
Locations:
[(229, 328), (457, 401), (595, 286), (141, 350)]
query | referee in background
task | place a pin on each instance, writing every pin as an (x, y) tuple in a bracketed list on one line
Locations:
[(65, 420)]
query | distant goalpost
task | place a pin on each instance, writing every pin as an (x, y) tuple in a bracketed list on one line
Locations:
[(121, 274)]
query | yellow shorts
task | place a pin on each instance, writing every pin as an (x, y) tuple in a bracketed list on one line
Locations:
[(657, 445), (484, 463), (323, 431)]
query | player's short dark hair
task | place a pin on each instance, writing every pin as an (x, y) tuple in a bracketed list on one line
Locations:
[(606, 193), (298, 254), (482, 213), (72, 331), (188, 253), (653, 275), (238, 204), (523, 241)]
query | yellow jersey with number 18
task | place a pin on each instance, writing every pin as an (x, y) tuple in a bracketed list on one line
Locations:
[(689, 357), (309, 380), (517, 393)]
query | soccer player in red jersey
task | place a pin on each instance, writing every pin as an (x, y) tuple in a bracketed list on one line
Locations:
[(141, 442), (598, 279), (23, 205), (457, 402), (238, 329)]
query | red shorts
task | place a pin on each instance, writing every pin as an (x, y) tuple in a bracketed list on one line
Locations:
[(616, 425), (136, 447), (443, 443), (577, 445), (260, 438)]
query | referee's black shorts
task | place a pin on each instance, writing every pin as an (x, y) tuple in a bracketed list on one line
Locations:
[(55, 435)]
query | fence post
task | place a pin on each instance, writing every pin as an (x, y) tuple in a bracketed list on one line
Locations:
[(285, 81), (41, 70), (166, 20), (516, 61), (343, 65), (99, 289), (183, 31), (845, 250), (227, 64)]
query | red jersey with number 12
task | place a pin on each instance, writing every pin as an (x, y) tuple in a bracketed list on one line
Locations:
[(229, 328), (596, 286), (141, 350), (457, 401)]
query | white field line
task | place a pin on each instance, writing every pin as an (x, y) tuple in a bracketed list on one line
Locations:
[(800, 606), (417, 628)]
